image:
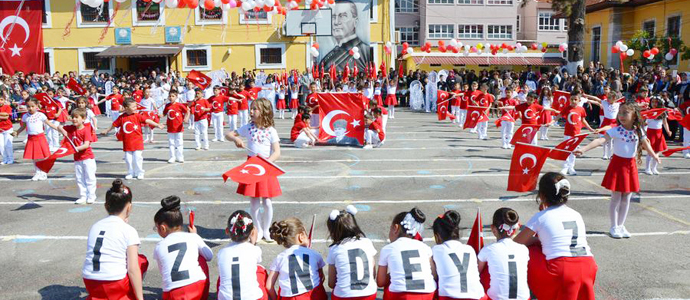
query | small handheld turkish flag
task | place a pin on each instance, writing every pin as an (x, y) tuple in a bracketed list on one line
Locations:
[(442, 106), (476, 239), (525, 166), (674, 115), (43, 99), (560, 100), (66, 148), (505, 117), (525, 134), (474, 115), (652, 113), (75, 86), (673, 150), (382, 67), (563, 150), (199, 79), (255, 169)]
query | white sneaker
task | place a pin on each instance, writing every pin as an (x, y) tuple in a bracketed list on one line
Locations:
[(648, 172), (624, 232), (140, 177), (655, 171), (197, 148), (43, 176), (80, 201), (267, 238), (615, 232), (35, 178), (171, 160), (571, 171), (368, 146), (686, 156), (180, 161), (378, 145), (129, 177), (206, 148), (91, 201), (605, 157), (214, 140)]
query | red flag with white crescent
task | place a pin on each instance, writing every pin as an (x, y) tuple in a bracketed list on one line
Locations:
[(21, 36), (76, 87), (255, 169), (525, 166), (401, 73), (674, 114), (567, 147), (341, 118), (382, 67), (504, 117), (66, 149), (346, 72), (560, 100), (199, 79), (525, 134), (355, 71), (652, 113), (442, 105), (474, 114)]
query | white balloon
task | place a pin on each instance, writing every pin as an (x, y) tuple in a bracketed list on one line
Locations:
[(388, 44), (487, 46), (524, 48), (619, 44), (651, 56), (454, 42), (293, 4), (518, 45), (171, 3), (356, 55), (246, 6), (624, 48), (270, 3), (314, 52), (459, 45), (505, 51), (410, 50), (479, 51), (259, 3), (630, 52), (467, 52), (539, 46), (216, 3), (355, 49), (308, 2), (669, 56)]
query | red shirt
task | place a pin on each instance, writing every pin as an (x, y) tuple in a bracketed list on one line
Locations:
[(138, 95), (529, 113), (474, 98), (463, 99), (7, 123), (486, 100), (248, 94), (78, 137), (198, 109), (298, 118), (174, 116), (232, 107), (130, 126), (313, 102), (115, 101), (456, 100), (573, 120), (376, 126), (509, 102), (217, 103), (296, 129)]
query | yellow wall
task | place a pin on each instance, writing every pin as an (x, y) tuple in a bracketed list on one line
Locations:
[(241, 38), (631, 21)]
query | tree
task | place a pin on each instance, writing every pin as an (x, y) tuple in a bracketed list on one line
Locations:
[(574, 11)]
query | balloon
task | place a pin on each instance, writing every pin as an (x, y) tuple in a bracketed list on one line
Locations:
[(619, 44), (410, 50), (232, 3), (673, 51), (217, 3), (454, 42), (455, 50), (479, 46), (351, 52), (534, 46), (314, 52), (655, 51), (646, 53), (562, 47), (479, 51), (357, 55), (505, 51), (355, 49), (624, 48), (388, 50), (630, 52), (389, 44), (225, 1), (209, 5), (246, 6), (615, 49), (544, 44), (193, 4), (543, 50), (270, 3), (488, 45), (442, 48), (428, 50), (623, 56), (293, 5), (171, 3), (669, 56), (651, 56), (405, 45), (315, 45), (427, 44), (539, 47), (225, 7)]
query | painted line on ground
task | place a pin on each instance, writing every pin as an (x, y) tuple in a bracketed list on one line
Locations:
[(340, 202), (37, 238)]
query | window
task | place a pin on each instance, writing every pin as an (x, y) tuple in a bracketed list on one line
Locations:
[(596, 44), (441, 31), (470, 1), (409, 35), (94, 17), (197, 58), (673, 26), (214, 16), (88, 61), (373, 11), (407, 6), (471, 31), (49, 60), (46, 17), (518, 24), (91, 62), (565, 24), (649, 27), (500, 32), (253, 17), (270, 56), (440, 1), (547, 22), (499, 2), (146, 12)]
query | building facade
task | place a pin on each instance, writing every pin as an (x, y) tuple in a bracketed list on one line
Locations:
[(145, 35), (610, 21)]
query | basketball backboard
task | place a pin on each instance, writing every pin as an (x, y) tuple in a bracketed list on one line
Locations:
[(303, 22)]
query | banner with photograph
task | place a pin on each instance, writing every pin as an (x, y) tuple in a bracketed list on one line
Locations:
[(350, 29)]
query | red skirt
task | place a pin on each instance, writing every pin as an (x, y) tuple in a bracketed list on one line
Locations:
[(94, 108), (546, 117), (261, 276), (116, 289), (379, 100), (388, 295), (656, 139), (621, 175), (194, 291), (370, 297), (391, 100), (280, 104), (563, 278), (36, 147), (294, 103), (265, 189), (607, 122), (94, 134), (62, 118), (318, 293)]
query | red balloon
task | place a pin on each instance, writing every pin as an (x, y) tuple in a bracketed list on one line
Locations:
[(623, 56), (266, 8), (543, 50), (504, 46), (428, 50), (511, 48), (428, 44), (405, 45), (442, 48), (193, 4), (209, 5), (225, 1), (535, 46), (350, 52), (615, 49), (455, 50), (181, 4), (441, 43), (646, 53), (655, 51), (315, 45)]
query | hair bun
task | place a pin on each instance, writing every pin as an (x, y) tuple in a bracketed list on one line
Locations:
[(171, 203), (453, 217), (117, 186), (418, 215), (510, 217)]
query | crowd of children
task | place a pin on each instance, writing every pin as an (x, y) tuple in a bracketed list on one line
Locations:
[(549, 257)]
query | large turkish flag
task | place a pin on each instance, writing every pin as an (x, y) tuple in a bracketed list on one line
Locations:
[(342, 118), (21, 36)]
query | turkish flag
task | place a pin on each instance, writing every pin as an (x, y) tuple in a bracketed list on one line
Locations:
[(525, 167), (674, 115), (673, 150), (224, 90), (382, 67), (685, 122), (652, 113), (476, 239), (346, 72), (199, 79), (333, 73), (442, 106), (401, 73), (75, 86), (21, 47), (568, 145), (355, 71), (505, 117), (474, 116), (342, 118), (525, 134), (253, 170), (66, 148), (560, 100), (44, 99)]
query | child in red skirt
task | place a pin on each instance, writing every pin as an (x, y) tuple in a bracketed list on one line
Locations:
[(455, 263), (656, 136), (90, 120), (294, 100), (350, 247), (93, 95), (545, 100), (609, 107), (561, 265), (391, 99), (113, 267), (377, 94), (240, 262), (36, 146), (280, 105), (405, 264), (621, 176), (184, 274), (298, 269), (262, 140)]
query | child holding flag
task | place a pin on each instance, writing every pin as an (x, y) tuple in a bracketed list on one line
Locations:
[(84, 160), (36, 146), (574, 116)]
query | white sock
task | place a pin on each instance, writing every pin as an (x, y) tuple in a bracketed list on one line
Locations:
[(623, 208), (267, 216), (613, 208), (256, 205)]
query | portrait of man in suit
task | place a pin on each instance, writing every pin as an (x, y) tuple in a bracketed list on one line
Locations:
[(346, 18)]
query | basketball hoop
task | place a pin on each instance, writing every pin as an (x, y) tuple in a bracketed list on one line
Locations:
[(308, 29)]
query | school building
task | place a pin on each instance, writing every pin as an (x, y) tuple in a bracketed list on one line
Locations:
[(609, 21), (145, 35)]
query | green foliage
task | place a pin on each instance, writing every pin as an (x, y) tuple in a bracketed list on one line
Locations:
[(563, 6), (642, 41)]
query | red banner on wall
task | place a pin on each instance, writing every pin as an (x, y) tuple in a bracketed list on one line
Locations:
[(21, 36)]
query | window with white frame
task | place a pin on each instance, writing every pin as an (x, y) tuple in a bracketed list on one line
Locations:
[(88, 61), (270, 56), (499, 32), (470, 1), (470, 31), (565, 24), (46, 17), (407, 6), (213, 16), (441, 31), (196, 58), (146, 12), (409, 34), (255, 17), (673, 26), (499, 2), (49, 60), (649, 27), (94, 16), (517, 29), (547, 22), (440, 1), (373, 11)]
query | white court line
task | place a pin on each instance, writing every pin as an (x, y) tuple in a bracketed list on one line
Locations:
[(339, 202), (10, 238), (421, 176)]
